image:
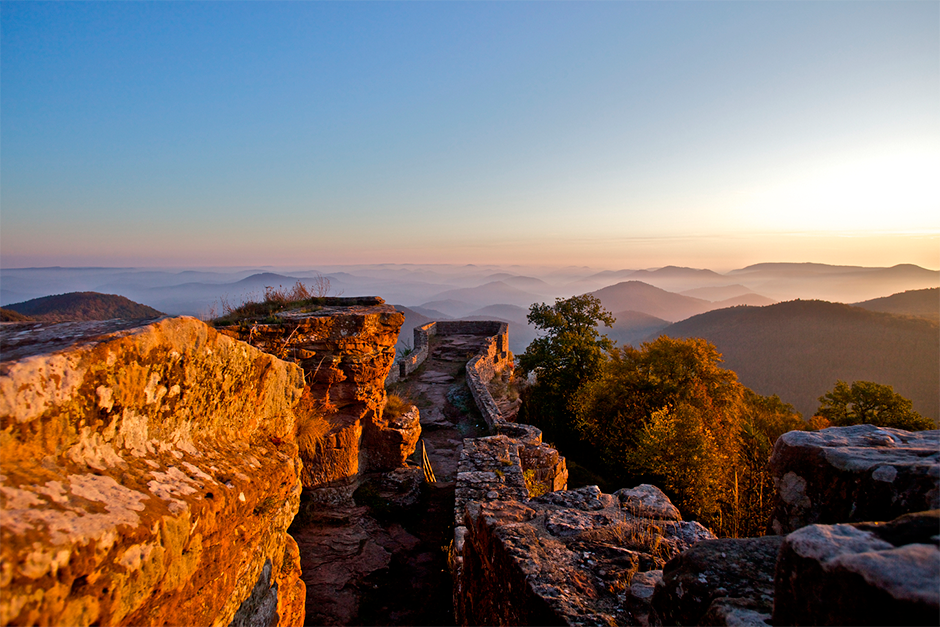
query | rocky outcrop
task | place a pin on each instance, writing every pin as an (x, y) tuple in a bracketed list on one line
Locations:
[(149, 474), (720, 582), (853, 474), (860, 573), (567, 557), (345, 348), (886, 574)]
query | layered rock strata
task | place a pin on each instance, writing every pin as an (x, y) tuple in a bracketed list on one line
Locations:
[(149, 474), (345, 348), (853, 474)]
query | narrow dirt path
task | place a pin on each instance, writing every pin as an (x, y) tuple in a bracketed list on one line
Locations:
[(378, 564)]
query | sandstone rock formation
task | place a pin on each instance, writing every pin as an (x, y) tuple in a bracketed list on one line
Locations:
[(149, 474), (861, 574), (853, 474), (720, 582), (345, 348), (567, 557)]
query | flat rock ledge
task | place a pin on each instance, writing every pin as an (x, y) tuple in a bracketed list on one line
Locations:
[(853, 474), (866, 574), (345, 347), (149, 474)]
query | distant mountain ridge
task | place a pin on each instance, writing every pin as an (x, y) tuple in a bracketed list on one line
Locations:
[(83, 306), (799, 349), (920, 303), (645, 298)]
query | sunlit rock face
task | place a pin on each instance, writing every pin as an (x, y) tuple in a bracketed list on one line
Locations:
[(345, 348), (853, 474), (149, 474)]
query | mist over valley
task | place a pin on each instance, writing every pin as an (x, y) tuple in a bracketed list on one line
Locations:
[(875, 324)]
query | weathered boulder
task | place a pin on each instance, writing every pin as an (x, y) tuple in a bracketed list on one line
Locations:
[(853, 474), (149, 474), (860, 574), (648, 501), (716, 581), (345, 347), (568, 557)]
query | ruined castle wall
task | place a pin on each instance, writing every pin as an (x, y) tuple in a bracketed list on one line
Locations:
[(149, 474), (496, 352)]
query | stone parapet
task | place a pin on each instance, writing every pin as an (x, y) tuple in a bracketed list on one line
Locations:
[(527, 551), (149, 474), (573, 557), (496, 353)]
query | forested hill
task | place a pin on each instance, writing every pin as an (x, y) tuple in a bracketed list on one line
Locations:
[(7, 315), (83, 306), (920, 303), (799, 349)]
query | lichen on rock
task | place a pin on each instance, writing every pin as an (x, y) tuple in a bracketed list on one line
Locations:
[(149, 473)]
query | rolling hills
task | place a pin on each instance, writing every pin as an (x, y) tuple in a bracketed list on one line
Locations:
[(799, 349), (83, 306), (644, 298), (919, 303)]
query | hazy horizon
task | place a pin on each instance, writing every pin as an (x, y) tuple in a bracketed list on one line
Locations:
[(609, 135)]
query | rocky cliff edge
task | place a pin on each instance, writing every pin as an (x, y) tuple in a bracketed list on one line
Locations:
[(149, 474)]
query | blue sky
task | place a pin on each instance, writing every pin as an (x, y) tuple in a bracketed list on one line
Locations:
[(614, 134)]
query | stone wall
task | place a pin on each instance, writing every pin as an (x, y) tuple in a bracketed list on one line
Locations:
[(345, 348), (149, 474), (566, 557), (527, 551), (497, 353)]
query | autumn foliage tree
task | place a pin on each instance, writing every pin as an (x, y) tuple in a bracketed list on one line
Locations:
[(666, 413), (669, 414)]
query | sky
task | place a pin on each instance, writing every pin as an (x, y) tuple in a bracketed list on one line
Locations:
[(607, 134)]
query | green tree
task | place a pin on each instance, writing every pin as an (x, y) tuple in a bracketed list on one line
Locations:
[(570, 352), (866, 402)]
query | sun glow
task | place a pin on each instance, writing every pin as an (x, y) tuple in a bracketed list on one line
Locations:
[(886, 192)]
